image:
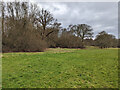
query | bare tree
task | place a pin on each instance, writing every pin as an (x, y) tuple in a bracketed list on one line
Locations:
[(2, 7), (20, 31), (105, 40), (83, 31), (45, 19)]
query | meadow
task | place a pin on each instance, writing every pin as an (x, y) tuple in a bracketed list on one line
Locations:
[(61, 68)]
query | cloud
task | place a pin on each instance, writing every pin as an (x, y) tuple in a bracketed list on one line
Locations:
[(100, 15), (56, 8)]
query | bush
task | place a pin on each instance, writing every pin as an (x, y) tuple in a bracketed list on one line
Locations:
[(36, 45), (105, 40), (20, 40), (89, 42), (69, 41), (52, 40)]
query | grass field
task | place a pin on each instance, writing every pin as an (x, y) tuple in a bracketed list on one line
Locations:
[(61, 68)]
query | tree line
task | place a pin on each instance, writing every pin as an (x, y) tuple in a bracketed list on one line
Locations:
[(26, 28)]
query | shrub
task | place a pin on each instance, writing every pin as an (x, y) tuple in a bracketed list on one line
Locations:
[(69, 41), (105, 40), (20, 40)]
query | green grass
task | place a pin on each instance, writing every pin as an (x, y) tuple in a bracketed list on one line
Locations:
[(61, 68)]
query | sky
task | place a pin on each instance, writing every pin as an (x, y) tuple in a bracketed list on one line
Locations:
[(99, 15)]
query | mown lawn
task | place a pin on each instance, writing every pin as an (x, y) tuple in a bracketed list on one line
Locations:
[(61, 68)]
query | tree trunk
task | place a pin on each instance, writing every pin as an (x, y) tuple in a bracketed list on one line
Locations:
[(2, 18)]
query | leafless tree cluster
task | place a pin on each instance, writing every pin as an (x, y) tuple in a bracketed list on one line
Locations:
[(26, 27)]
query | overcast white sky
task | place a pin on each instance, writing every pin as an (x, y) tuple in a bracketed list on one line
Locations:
[(100, 15)]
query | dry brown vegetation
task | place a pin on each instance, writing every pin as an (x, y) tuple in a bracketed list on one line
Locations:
[(26, 28)]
